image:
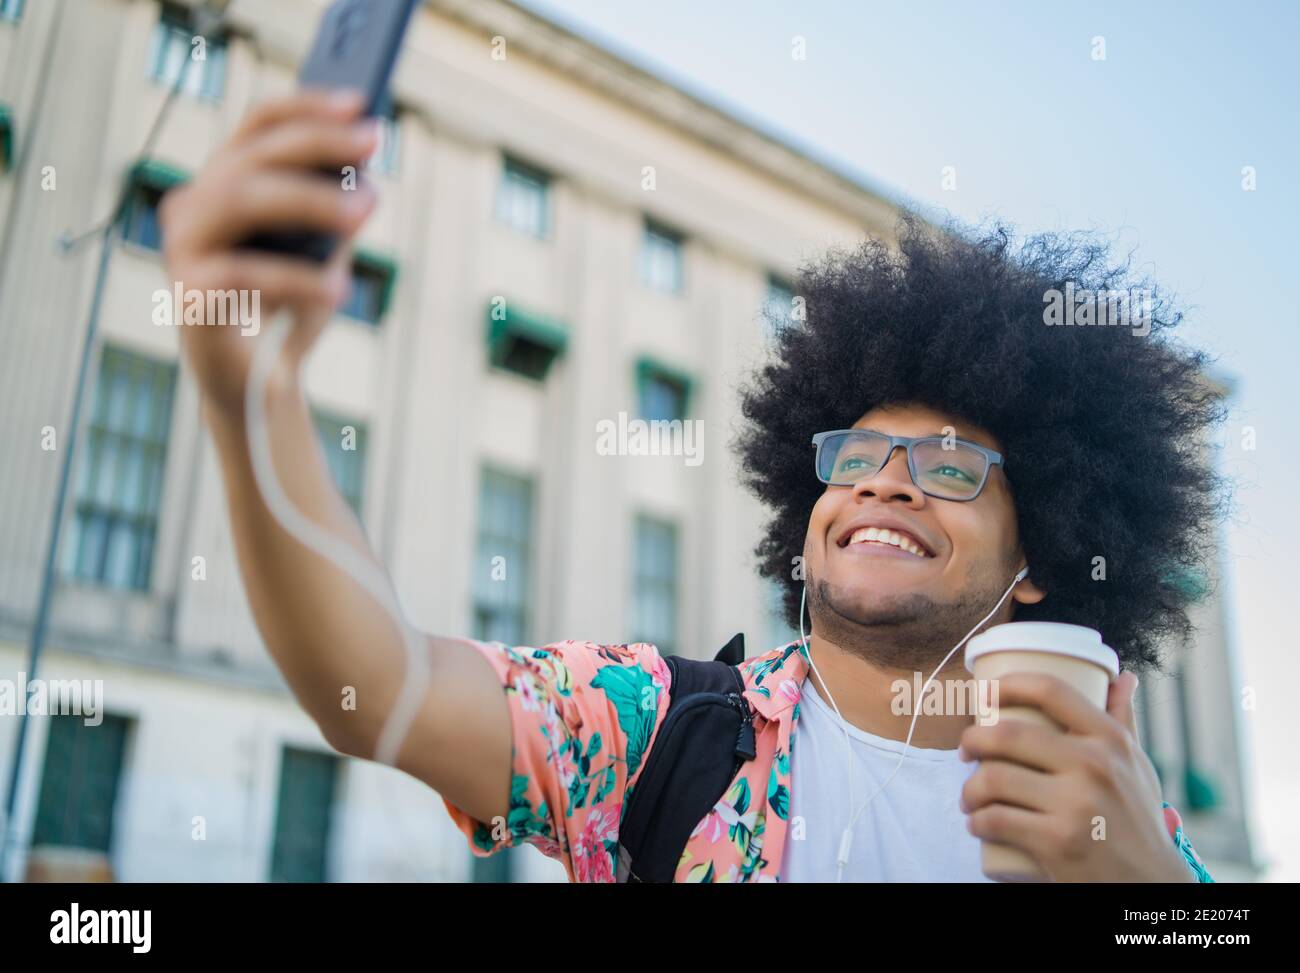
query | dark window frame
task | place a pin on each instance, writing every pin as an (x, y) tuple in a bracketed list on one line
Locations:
[(384, 270), (110, 449), (517, 175), (75, 807), (652, 230), (650, 370), (147, 183), (12, 11), (178, 21), (329, 425), (6, 139), (288, 839), (494, 536), (779, 290), (646, 582)]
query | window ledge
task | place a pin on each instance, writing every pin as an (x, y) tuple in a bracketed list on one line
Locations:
[(205, 100), (140, 250), (548, 236)]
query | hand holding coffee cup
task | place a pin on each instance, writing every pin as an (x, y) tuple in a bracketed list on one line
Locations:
[(1072, 653)]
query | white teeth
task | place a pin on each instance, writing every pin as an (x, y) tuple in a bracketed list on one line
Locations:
[(880, 535)]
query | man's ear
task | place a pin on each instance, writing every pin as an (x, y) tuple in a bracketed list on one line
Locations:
[(1028, 593)]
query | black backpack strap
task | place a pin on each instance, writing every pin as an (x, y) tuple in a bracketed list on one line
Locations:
[(733, 653), (705, 736)]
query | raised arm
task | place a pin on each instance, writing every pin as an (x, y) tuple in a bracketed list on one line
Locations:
[(324, 631)]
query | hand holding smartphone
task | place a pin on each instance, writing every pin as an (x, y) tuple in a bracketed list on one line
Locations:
[(356, 48)]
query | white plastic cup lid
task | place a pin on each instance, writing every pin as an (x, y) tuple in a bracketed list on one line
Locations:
[(1054, 637)]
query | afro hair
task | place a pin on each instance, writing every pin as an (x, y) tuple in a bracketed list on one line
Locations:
[(1105, 430)]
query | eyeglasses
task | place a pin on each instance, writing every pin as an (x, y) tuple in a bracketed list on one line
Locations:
[(941, 466)]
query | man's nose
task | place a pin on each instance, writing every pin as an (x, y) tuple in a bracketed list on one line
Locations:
[(893, 481)]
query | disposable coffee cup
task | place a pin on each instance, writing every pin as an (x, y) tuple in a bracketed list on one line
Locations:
[(1074, 654)]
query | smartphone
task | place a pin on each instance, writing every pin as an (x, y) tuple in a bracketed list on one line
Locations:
[(356, 47)]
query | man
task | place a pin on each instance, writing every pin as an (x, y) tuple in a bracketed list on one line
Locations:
[(1067, 445)]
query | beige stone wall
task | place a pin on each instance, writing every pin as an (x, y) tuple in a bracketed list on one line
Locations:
[(420, 381)]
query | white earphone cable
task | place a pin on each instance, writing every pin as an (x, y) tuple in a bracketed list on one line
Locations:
[(333, 549), (846, 839)]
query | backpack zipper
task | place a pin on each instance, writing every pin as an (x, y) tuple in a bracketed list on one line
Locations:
[(745, 748)]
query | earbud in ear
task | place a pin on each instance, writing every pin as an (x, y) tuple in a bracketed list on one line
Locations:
[(1021, 574)]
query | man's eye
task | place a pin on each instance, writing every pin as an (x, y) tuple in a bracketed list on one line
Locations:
[(854, 463), (952, 472)]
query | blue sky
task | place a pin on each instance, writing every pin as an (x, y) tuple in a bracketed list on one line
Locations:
[(1146, 146)]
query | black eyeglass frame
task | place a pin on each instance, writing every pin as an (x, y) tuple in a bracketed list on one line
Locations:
[(908, 443)]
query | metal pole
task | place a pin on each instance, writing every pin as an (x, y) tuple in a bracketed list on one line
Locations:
[(37, 641), (211, 21)]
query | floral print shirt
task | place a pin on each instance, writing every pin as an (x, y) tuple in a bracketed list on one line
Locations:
[(584, 717)]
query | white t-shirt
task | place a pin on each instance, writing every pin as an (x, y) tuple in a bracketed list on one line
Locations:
[(913, 832)]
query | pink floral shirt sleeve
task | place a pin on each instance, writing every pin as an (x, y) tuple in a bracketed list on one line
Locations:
[(582, 718)]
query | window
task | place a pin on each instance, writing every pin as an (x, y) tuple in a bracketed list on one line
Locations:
[(11, 10), (119, 481), (6, 138), (779, 631), (662, 392), (372, 288), (303, 816), (501, 569), (176, 47), (654, 584), (79, 783), (661, 259), (1199, 792), (501, 584), (385, 158), (344, 444), (495, 869), (140, 223), (523, 198), (522, 342), (779, 304), (1147, 727), (149, 180)]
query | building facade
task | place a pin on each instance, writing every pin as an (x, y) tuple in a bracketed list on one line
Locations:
[(565, 242)]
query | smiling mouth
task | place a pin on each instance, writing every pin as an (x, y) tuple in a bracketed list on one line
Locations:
[(882, 537)]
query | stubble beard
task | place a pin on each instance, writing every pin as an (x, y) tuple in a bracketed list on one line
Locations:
[(910, 631)]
